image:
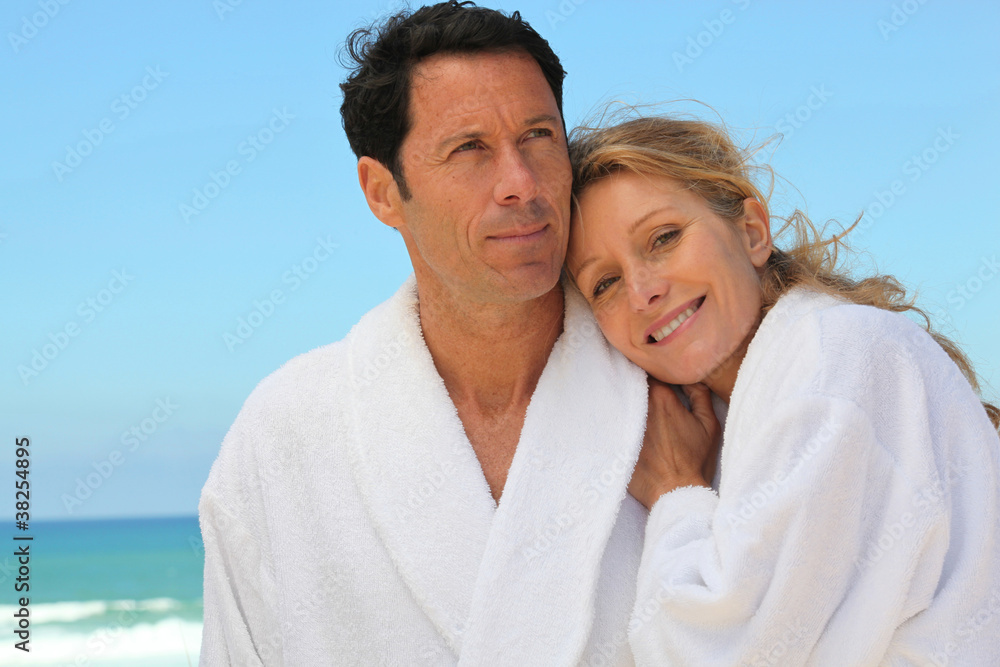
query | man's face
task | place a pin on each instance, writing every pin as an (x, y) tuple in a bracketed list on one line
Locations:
[(487, 167)]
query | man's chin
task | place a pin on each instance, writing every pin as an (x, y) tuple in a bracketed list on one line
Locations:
[(525, 283)]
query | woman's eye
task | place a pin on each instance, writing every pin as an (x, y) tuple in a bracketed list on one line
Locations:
[(603, 285), (665, 237), (468, 145)]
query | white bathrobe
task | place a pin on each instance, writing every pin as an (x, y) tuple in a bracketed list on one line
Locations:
[(347, 520), (857, 520)]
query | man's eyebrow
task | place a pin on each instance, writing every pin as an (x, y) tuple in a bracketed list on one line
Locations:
[(458, 137), (543, 118), (631, 229), (462, 137)]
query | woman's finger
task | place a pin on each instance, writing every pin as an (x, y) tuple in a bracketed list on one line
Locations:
[(662, 396), (701, 406)]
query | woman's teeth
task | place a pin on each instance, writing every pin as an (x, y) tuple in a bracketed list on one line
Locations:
[(657, 336)]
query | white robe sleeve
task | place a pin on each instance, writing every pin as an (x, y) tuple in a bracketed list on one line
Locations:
[(240, 627), (758, 576)]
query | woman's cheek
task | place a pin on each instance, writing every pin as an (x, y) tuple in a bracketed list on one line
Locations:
[(611, 326)]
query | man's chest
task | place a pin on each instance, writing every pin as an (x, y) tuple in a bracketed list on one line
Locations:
[(494, 439)]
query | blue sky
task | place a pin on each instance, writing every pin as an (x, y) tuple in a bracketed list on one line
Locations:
[(118, 115)]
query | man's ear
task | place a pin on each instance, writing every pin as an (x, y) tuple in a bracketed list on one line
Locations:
[(381, 191), (757, 232)]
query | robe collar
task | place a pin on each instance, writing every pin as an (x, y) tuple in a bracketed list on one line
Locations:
[(518, 578)]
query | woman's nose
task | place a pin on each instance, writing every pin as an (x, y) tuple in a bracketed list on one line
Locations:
[(645, 288)]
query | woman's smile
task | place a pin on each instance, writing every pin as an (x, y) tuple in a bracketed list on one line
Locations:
[(664, 334)]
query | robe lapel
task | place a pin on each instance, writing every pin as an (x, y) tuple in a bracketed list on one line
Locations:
[(534, 597), (513, 584), (413, 463)]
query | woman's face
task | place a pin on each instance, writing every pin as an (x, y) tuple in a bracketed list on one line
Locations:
[(673, 286)]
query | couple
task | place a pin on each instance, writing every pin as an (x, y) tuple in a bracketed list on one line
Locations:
[(470, 476)]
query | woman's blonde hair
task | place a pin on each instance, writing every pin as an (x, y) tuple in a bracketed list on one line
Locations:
[(704, 158)]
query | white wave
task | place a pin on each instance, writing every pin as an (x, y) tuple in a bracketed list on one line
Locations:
[(157, 604), (64, 612), (70, 612), (170, 641)]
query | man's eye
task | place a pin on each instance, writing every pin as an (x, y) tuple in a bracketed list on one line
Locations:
[(467, 146), (540, 132), (603, 285)]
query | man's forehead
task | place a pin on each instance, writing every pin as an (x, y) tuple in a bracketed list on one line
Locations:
[(451, 91), (441, 64)]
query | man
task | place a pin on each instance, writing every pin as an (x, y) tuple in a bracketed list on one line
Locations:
[(446, 485)]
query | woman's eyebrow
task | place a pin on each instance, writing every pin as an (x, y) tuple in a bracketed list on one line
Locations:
[(638, 222), (631, 230), (584, 264)]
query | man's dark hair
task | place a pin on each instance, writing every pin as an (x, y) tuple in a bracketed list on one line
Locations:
[(382, 57)]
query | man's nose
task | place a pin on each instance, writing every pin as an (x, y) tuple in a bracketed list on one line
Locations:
[(516, 179)]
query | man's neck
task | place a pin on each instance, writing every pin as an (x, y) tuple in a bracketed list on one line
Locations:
[(491, 355)]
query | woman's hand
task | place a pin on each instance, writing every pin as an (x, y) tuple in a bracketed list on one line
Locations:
[(680, 447)]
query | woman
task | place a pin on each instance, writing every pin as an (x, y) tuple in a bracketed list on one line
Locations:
[(857, 519)]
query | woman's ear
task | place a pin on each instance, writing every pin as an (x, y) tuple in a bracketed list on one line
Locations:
[(381, 191), (757, 232)]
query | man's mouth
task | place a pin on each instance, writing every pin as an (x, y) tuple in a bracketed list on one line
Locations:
[(665, 331), (526, 234)]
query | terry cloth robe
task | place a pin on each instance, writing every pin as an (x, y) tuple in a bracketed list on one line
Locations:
[(857, 516), (347, 520)]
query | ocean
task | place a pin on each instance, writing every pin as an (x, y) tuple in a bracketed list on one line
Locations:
[(107, 593)]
